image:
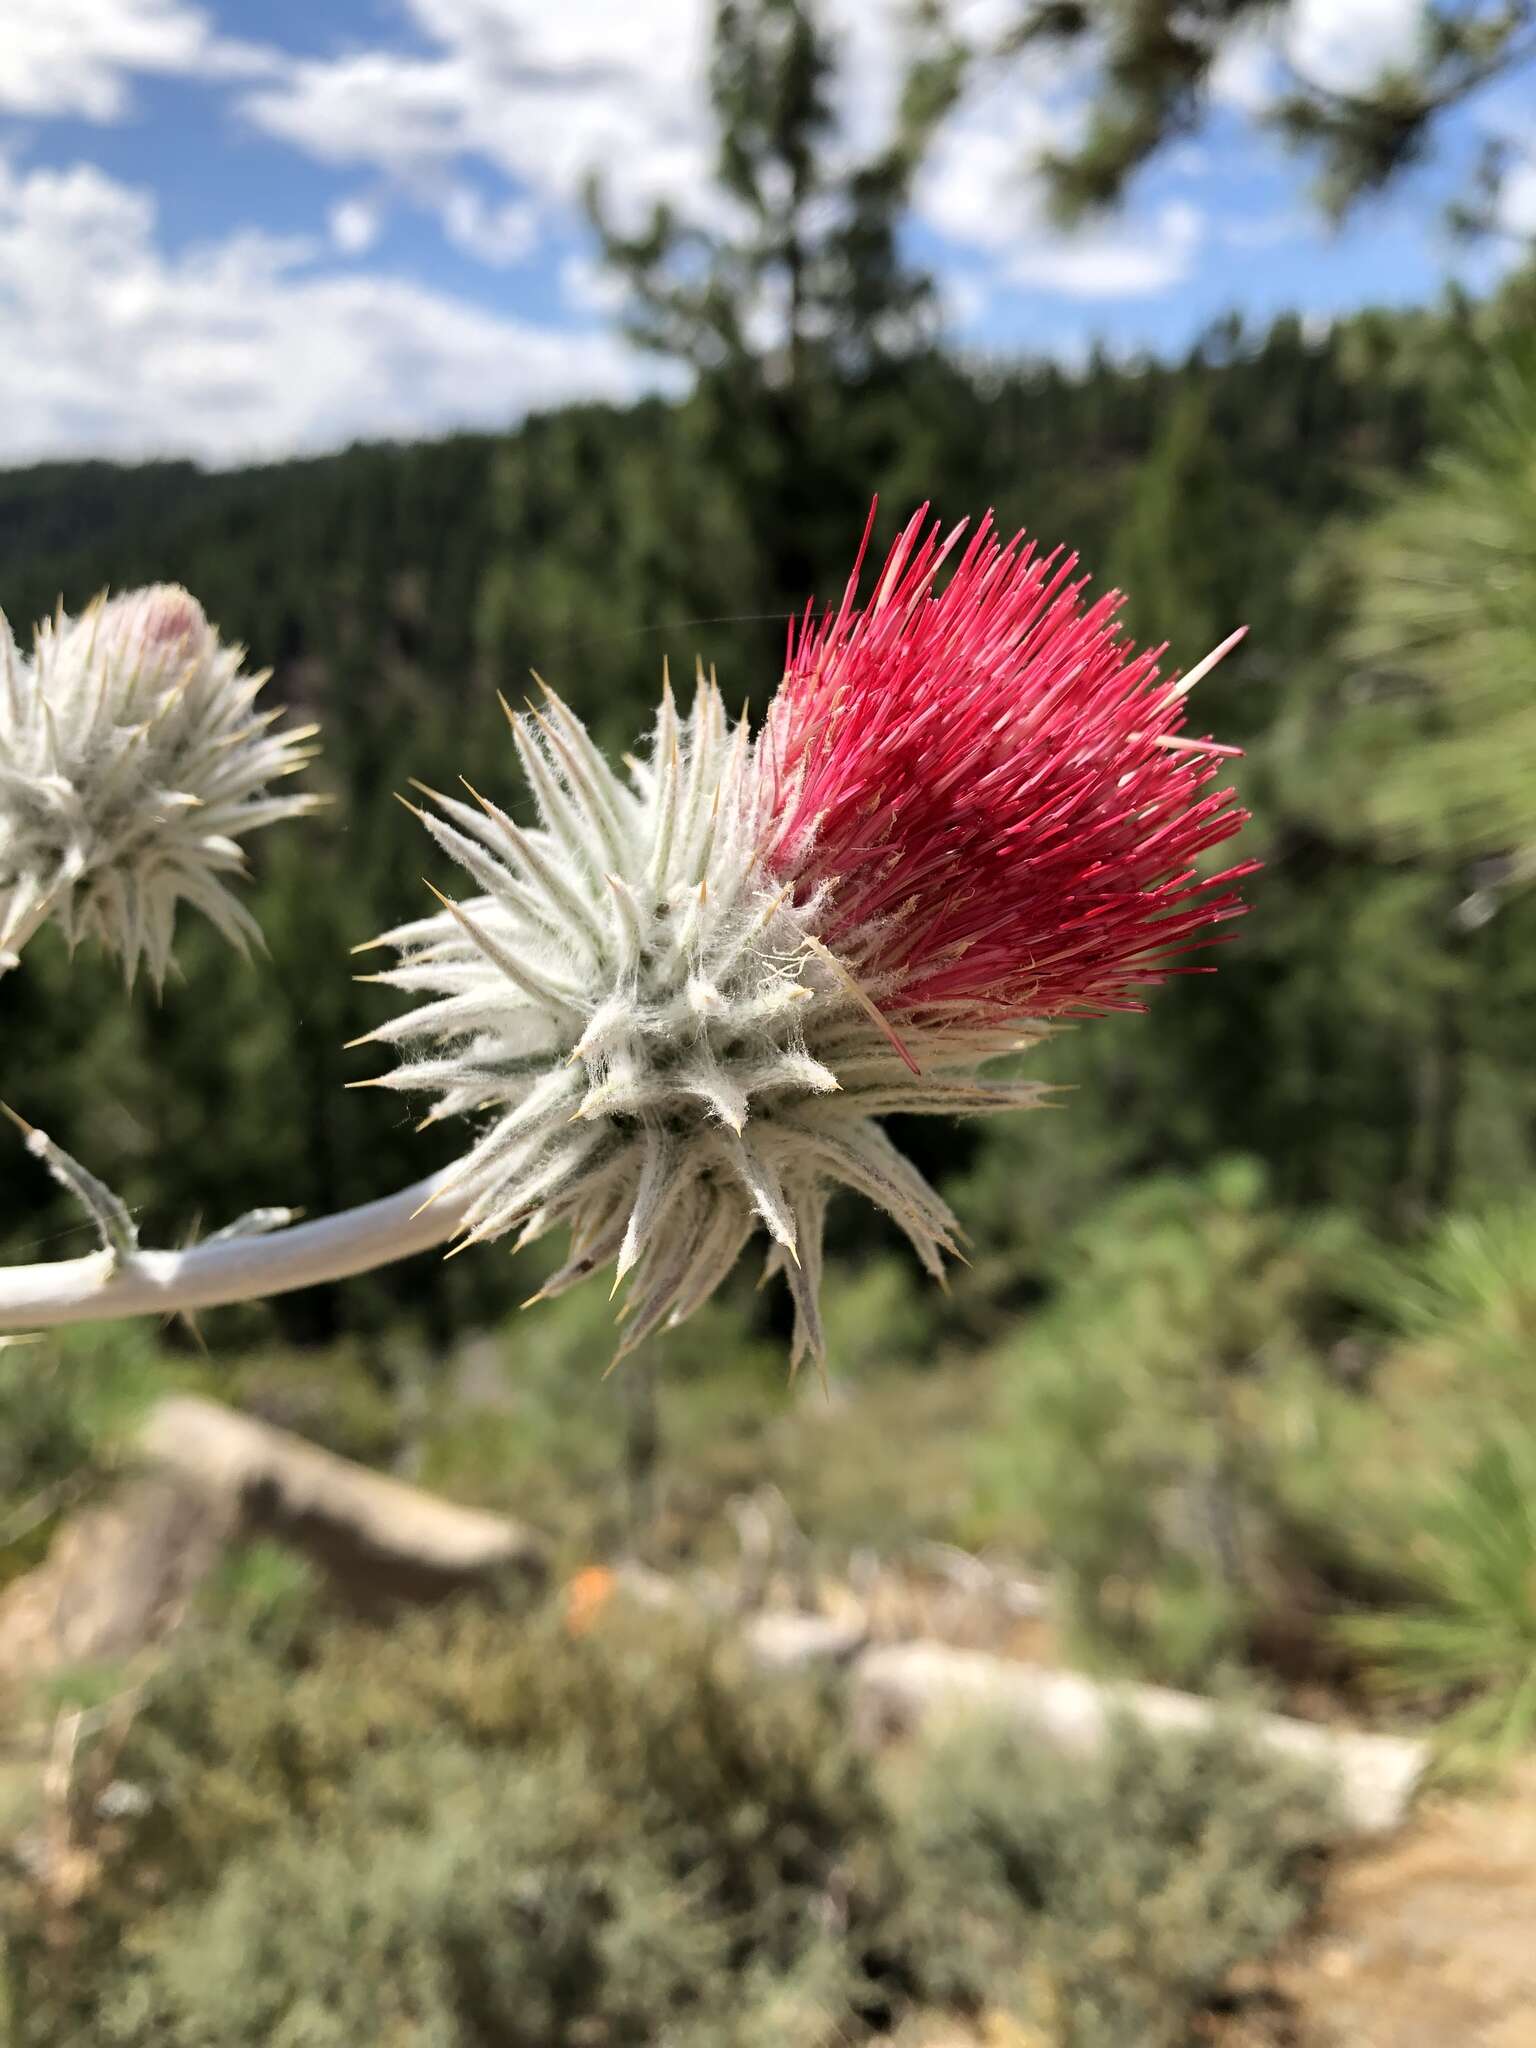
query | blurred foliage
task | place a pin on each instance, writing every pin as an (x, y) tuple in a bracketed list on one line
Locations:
[(1256, 1443), (1110, 1901), (46, 1456), (1159, 72), (42, 1437), (466, 1831), (1256, 1449), (1463, 1642), (1445, 633), (64, 1406), (792, 300), (523, 1421), (1455, 1405), (1470, 1295), (1177, 1421)]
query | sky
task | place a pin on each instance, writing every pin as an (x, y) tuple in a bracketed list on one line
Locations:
[(245, 229)]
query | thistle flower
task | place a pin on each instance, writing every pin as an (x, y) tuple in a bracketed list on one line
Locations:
[(682, 1003), (131, 763)]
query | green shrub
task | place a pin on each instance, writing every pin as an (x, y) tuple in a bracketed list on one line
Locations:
[(479, 1830), (452, 1896), (1172, 1436), (43, 1438), (1108, 1902), (66, 1400), (425, 1834), (881, 1313), (1465, 1305), (1465, 1638), (47, 1455)]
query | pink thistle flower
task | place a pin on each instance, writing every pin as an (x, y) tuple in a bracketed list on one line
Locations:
[(672, 1009), (989, 790)]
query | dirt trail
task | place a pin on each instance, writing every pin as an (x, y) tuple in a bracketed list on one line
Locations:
[(1427, 1942)]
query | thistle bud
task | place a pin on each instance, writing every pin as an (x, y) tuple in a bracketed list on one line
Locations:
[(131, 765)]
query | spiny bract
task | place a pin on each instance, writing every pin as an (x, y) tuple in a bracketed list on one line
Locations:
[(659, 1000), (130, 764)]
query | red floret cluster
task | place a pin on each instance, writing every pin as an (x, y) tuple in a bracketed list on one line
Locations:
[(991, 786)]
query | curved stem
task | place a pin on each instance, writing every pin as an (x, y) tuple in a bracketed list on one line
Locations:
[(100, 1287)]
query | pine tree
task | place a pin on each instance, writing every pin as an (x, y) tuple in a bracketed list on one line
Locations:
[(805, 299), (1153, 67)]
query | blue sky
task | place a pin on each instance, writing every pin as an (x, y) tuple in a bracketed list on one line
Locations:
[(244, 228)]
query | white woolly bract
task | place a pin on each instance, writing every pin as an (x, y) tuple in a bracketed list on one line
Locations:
[(131, 762), (663, 1054)]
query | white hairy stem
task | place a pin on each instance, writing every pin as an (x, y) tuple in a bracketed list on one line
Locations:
[(102, 1286)]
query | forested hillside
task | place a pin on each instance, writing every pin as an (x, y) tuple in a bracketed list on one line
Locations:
[(1362, 1045)]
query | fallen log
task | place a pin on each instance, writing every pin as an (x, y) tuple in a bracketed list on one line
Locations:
[(380, 1540), (900, 1687)]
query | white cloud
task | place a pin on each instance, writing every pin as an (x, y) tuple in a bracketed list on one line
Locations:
[(976, 192), (1346, 44), (1262, 230), (1343, 45), (1190, 160), (1116, 260), (541, 94), (964, 296), (546, 95), (976, 187), (588, 288), (493, 234), (78, 56), (244, 349), (355, 225), (1246, 75), (1517, 200)]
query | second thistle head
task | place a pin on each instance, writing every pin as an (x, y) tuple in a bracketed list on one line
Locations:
[(132, 763), (679, 1007)]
